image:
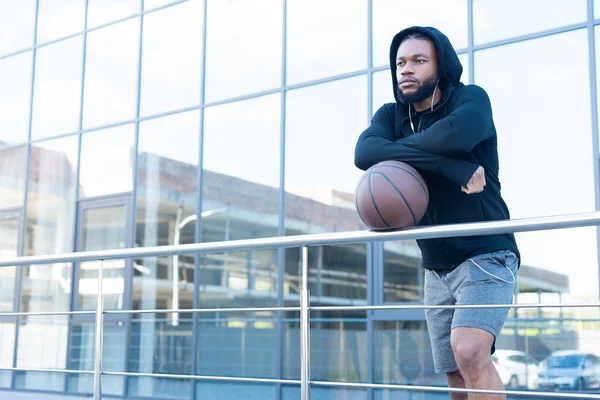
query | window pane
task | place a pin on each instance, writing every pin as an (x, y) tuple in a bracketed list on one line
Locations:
[(110, 89), (318, 393), (391, 16), (525, 149), (106, 161), (82, 354), (7, 344), (206, 390), (42, 343), (320, 193), (490, 17), (338, 346), (237, 345), (255, 45), (402, 356), (402, 273), (150, 4), (13, 164), (9, 248), (17, 19), (59, 19), (51, 197), (15, 96), (240, 186), (104, 11), (167, 179), (57, 90), (329, 42), (596, 8), (336, 274), (171, 58)]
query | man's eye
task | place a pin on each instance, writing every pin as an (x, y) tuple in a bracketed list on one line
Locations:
[(421, 61), (400, 64)]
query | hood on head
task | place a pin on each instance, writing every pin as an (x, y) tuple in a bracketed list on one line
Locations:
[(449, 66)]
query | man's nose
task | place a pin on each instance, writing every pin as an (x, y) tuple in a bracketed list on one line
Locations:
[(407, 69)]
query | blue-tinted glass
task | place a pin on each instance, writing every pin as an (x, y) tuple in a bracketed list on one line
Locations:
[(17, 19), (490, 17), (243, 55), (13, 166), (104, 11), (320, 193), (110, 87), (9, 248), (171, 58), (15, 96), (391, 16), (161, 346), (237, 344), (42, 343), (7, 344), (324, 393), (328, 42), (234, 390), (82, 355), (545, 140), (596, 8), (112, 149), (57, 19), (150, 4), (57, 90)]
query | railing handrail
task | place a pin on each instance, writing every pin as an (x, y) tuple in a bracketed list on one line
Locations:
[(320, 239)]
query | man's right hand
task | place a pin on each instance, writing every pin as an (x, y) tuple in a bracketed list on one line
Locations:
[(476, 183)]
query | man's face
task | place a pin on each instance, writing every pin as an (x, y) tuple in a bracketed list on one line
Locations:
[(416, 70)]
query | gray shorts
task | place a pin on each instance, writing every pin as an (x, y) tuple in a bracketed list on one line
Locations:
[(484, 279)]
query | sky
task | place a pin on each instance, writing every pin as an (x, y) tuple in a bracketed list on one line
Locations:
[(541, 102)]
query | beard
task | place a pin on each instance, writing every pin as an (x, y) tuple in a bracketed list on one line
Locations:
[(424, 91)]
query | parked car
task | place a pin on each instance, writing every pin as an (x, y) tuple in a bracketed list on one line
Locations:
[(516, 368), (569, 369)]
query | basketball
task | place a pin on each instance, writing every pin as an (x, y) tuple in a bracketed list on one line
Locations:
[(391, 195)]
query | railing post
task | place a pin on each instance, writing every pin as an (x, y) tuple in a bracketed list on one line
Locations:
[(99, 334), (305, 330)]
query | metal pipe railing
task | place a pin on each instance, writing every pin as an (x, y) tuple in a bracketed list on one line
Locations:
[(303, 241)]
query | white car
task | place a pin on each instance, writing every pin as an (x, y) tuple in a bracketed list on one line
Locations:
[(570, 369), (516, 368)]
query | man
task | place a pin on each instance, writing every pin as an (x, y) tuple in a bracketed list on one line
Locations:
[(445, 129)]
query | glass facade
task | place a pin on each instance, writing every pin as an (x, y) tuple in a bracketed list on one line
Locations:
[(136, 123)]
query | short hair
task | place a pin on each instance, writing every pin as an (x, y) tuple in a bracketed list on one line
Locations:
[(416, 35)]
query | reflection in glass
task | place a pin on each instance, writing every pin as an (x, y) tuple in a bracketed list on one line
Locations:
[(490, 17), (42, 343), (170, 340), (230, 28), (106, 161), (57, 91), (15, 81), (51, 198), (102, 229), (13, 167), (171, 58), (59, 19), (320, 176), (402, 353), (322, 393), (337, 275), (391, 16), (167, 180), (237, 344), (110, 86), (529, 178), (338, 346), (17, 20), (82, 354), (7, 344), (207, 390), (329, 42), (9, 248), (402, 272), (104, 11)]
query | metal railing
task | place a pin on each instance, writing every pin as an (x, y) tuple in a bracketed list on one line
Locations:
[(303, 241)]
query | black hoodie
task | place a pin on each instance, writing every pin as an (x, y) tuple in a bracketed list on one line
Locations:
[(451, 142)]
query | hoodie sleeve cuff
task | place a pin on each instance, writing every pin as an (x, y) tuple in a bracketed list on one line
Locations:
[(457, 171)]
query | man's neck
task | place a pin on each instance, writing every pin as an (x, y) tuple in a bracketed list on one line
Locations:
[(425, 104)]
